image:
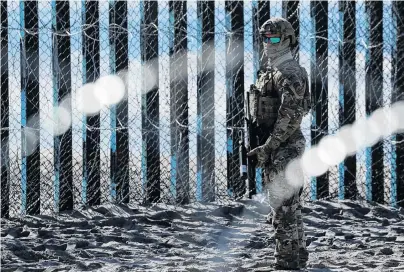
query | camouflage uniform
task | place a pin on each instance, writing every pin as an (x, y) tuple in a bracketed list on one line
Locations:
[(279, 102)]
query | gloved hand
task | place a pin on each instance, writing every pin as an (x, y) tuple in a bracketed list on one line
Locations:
[(263, 154)]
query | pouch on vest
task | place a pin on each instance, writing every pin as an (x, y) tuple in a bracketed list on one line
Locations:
[(254, 102)]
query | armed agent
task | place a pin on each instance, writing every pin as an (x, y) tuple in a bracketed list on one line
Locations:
[(278, 102)]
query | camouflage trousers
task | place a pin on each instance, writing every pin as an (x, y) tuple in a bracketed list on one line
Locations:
[(290, 249)]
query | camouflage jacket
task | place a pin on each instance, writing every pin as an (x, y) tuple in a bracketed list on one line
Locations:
[(290, 82)]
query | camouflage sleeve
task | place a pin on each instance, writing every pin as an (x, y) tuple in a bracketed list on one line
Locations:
[(290, 113)]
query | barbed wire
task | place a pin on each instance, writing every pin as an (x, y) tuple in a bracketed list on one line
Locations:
[(141, 152)]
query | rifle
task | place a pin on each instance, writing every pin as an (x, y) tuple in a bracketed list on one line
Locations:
[(248, 164)]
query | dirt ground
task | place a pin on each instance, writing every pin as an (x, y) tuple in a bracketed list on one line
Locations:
[(342, 236)]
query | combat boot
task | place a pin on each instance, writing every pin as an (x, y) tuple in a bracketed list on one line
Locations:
[(279, 265)]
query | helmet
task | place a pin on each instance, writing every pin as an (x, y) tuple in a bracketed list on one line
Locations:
[(278, 25)]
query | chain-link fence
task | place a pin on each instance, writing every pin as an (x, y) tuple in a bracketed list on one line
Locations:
[(169, 133)]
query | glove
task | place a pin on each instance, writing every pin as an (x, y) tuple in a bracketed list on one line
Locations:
[(263, 154)]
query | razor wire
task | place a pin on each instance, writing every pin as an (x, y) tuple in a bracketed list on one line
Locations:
[(165, 128)]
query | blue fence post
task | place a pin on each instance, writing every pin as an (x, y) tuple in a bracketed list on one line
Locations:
[(235, 93), (30, 107), (261, 13), (119, 112), (150, 100), (4, 136), (112, 32), (91, 145), (63, 162), (347, 96), (374, 97), (398, 95), (179, 102), (319, 86), (205, 104)]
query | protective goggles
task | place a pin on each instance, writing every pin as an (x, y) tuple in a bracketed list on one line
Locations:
[(271, 39)]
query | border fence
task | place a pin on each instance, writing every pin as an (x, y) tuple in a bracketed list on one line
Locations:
[(186, 65)]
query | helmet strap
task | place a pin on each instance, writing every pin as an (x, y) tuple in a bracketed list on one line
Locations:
[(280, 43)]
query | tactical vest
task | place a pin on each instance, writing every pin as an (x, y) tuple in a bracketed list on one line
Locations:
[(265, 100)]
